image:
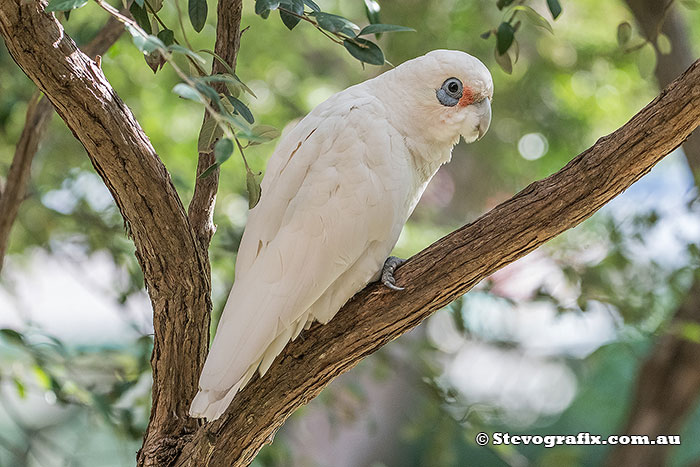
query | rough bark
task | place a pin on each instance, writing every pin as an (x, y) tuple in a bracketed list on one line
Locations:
[(175, 268), (668, 384), (38, 116), (228, 41), (446, 270)]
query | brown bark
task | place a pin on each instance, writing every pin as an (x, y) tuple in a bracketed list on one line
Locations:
[(176, 270), (38, 116), (668, 384), (228, 41)]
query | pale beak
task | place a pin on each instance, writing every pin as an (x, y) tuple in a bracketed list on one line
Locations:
[(484, 108)]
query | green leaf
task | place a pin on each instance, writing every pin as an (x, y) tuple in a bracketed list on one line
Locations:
[(536, 18), (380, 28), (12, 336), (42, 377), (690, 331), (223, 150), (21, 390), (503, 61), (198, 10), (209, 133), (167, 36), (139, 3), (372, 10), (253, 187), (263, 7), (175, 48), (365, 51), (242, 109), (147, 44), (485, 35), (663, 43), (141, 16), (554, 8), (312, 5), (504, 37), (501, 4), (64, 5), (188, 92), (261, 134), (624, 33), (296, 7), (336, 24)]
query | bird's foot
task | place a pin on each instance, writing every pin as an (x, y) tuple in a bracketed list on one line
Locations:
[(390, 265)]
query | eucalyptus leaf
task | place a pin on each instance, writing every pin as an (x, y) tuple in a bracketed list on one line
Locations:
[(294, 6), (663, 43), (261, 134), (175, 48), (504, 37), (336, 24), (372, 10), (223, 150), (263, 7), (188, 92), (64, 5), (624, 33), (141, 17), (198, 11), (210, 132), (253, 188), (536, 18), (147, 44), (12, 336), (311, 4), (380, 28), (554, 8), (365, 51), (503, 61), (242, 109), (167, 36)]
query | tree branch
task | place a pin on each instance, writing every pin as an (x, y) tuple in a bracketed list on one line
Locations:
[(39, 114), (445, 271), (175, 268), (228, 42)]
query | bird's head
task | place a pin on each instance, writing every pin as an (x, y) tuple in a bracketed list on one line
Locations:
[(444, 94)]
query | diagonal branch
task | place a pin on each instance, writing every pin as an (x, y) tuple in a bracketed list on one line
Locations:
[(39, 113), (228, 42), (446, 270), (175, 269)]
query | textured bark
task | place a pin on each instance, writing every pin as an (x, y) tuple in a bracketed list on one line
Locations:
[(228, 42), (668, 384), (38, 116), (445, 271), (175, 268)]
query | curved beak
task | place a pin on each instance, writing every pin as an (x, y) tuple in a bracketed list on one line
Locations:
[(484, 108)]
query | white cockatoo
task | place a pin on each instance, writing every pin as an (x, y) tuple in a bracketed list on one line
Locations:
[(336, 194)]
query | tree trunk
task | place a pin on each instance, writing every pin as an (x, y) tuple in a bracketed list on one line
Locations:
[(177, 273)]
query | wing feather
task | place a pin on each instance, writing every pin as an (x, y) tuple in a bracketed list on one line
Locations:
[(324, 214)]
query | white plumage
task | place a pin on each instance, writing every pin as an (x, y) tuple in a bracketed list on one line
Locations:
[(336, 194)]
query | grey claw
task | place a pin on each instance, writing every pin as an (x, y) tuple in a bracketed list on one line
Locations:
[(390, 265)]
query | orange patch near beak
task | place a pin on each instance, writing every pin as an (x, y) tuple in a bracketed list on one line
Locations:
[(467, 98)]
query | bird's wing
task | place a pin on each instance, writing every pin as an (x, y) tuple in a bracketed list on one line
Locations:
[(332, 188)]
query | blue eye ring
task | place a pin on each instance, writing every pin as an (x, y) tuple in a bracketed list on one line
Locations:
[(450, 92)]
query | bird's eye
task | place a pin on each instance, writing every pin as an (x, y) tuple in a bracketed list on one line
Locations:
[(450, 92)]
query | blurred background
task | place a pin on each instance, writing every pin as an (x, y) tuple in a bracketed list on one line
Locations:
[(598, 331)]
